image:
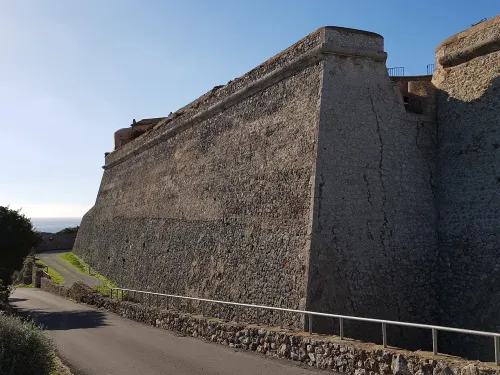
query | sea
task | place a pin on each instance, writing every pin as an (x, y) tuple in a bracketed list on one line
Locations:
[(54, 224)]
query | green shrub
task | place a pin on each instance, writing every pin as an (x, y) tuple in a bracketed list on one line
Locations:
[(4, 293), (70, 230), (24, 348)]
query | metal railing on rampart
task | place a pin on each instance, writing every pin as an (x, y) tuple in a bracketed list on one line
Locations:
[(310, 314), (398, 71), (430, 69)]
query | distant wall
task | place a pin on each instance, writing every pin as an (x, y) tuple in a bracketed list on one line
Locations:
[(468, 79), (56, 241)]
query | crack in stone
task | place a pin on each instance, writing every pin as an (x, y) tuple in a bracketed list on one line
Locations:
[(368, 189), (320, 198), (385, 224), (431, 176)]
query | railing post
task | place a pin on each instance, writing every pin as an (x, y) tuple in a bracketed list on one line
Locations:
[(110, 293), (157, 301), (167, 303), (237, 314), (497, 350), (122, 295), (310, 324), (341, 323), (384, 335), (258, 316), (281, 318), (203, 308), (434, 341)]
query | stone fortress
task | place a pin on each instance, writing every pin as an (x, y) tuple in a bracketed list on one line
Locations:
[(317, 182)]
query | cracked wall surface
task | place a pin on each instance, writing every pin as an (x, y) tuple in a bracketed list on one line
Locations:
[(306, 184), (374, 244), (303, 184), (469, 178)]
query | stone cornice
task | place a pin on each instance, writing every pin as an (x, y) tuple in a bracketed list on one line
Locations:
[(478, 40)]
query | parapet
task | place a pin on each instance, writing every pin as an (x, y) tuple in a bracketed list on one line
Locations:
[(329, 40), (478, 40)]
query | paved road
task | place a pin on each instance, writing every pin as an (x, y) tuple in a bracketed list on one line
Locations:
[(51, 259), (95, 342)]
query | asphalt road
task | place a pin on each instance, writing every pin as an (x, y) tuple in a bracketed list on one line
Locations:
[(71, 275), (95, 342)]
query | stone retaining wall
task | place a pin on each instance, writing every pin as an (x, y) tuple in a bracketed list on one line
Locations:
[(324, 352)]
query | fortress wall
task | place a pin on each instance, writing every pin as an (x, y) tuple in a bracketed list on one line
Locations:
[(219, 210), (468, 79), (293, 59), (374, 242)]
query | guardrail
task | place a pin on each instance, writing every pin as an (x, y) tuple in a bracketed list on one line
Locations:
[(430, 69), (398, 71), (310, 314)]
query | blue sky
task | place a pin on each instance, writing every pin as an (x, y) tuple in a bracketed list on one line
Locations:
[(74, 71)]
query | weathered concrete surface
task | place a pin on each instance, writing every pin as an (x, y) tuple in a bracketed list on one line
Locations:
[(469, 171), (317, 351)]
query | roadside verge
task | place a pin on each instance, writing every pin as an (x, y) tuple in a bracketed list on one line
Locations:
[(324, 352)]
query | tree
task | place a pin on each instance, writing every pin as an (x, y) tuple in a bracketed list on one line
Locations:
[(17, 238), (69, 230)]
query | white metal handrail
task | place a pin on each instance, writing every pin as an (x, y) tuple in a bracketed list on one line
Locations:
[(435, 329)]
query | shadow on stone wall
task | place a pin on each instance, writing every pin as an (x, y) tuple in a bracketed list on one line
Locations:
[(469, 226)]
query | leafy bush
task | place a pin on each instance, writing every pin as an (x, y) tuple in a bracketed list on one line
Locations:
[(4, 293), (70, 230), (4, 298), (24, 348), (17, 238)]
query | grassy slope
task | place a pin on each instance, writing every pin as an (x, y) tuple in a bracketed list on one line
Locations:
[(78, 264), (54, 276)]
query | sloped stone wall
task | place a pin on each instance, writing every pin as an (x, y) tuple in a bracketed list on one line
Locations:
[(220, 210), (468, 79)]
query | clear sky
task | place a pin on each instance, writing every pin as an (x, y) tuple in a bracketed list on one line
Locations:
[(74, 71)]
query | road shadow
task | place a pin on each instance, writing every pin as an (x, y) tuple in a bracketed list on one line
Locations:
[(13, 299), (64, 320)]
